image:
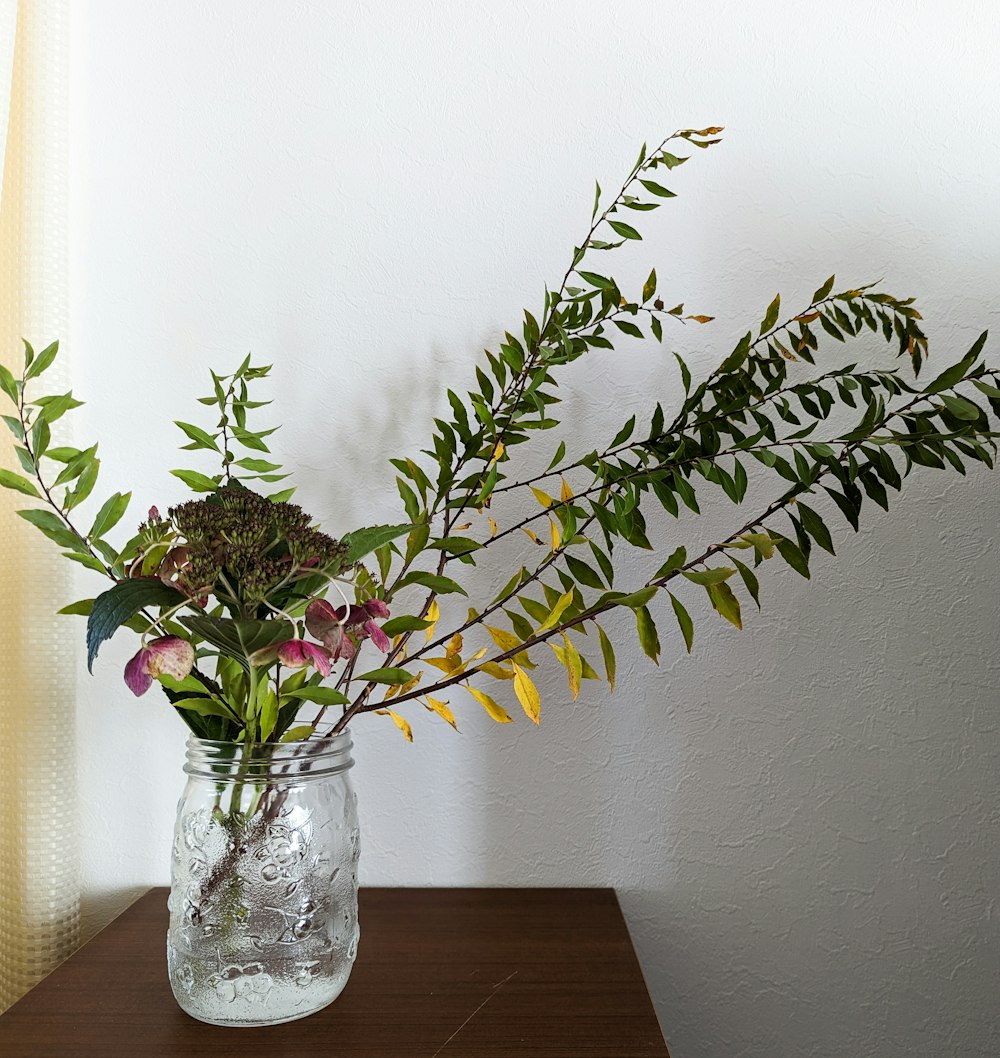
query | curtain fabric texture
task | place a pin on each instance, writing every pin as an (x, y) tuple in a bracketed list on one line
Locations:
[(39, 865)]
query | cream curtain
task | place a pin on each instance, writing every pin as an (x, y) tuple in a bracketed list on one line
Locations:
[(39, 867)]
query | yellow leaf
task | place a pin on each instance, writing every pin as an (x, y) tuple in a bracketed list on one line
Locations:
[(498, 451), (442, 710), (565, 493), (464, 525), (433, 615), (454, 647), (527, 694), (761, 541), (445, 664), (498, 672), (493, 527), (531, 536), (700, 319), (403, 724), (554, 536), (557, 611), (569, 656), (543, 497), (496, 712), (504, 640)]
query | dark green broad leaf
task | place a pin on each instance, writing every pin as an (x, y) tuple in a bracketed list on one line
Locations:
[(815, 527), (397, 625), (792, 554), (390, 676), (239, 639), (118, 604), (954, 374), (363, 541), (583, 573)]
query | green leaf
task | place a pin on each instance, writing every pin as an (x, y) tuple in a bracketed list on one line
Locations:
[(363, 541), (676, 560), (268, 714), (7, 383), (583, 573), (319, 695), (54, 407), (649, 287), (442, 585), (684, 620), (204, 706), (709, 576), (637, 598), (626, 231), (85, 560), (824, 290), (81, 608), (10, 480), (791, 553), (648, 637), (195, 481), (595, 280), (771, 316), (657, 189), (750, 580), (960, 407), (397, 625), (54, 528), (954, 374), (198, 435), (815, 527), (726, 603), (258, 466), (239, 639), (110, 514), (297, 734), (455, 545), (390, 676), (75, 466), (84, 486), (115, 606), (608, 653), (42, 361), (624, 433)]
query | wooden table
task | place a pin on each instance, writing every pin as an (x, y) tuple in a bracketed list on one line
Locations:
[(441, 973)]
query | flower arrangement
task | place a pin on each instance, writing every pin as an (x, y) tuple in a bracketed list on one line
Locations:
[(248, 614)]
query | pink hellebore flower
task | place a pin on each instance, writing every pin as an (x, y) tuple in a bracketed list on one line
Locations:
[(168, 655), (331, 625), (298, 654)]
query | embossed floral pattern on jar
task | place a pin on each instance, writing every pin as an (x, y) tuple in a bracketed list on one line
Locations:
[(263, 898)]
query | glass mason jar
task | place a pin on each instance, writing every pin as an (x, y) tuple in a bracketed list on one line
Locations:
[(264, 886)]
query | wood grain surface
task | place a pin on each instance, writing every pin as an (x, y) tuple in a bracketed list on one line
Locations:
[(441, 973)]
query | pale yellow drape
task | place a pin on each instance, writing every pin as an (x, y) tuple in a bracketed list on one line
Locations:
[(39, 868)]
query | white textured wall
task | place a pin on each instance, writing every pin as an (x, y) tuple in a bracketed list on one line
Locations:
[(801, 820)]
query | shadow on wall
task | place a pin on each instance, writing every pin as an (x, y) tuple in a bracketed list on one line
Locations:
[(795, 817)]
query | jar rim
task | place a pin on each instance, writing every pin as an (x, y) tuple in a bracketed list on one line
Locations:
[(269, 762)]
